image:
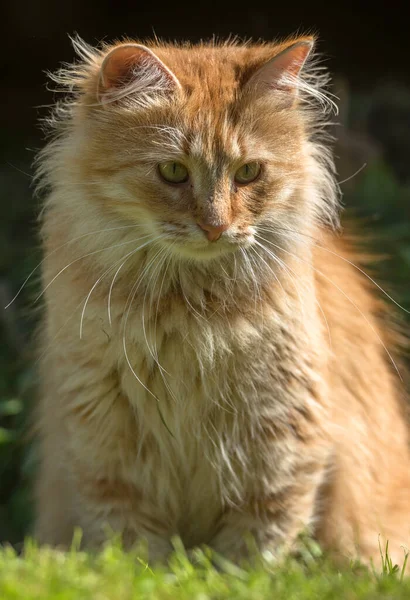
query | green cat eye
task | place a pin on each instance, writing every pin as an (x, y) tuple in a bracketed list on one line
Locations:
[(248, 172), (173, 172)]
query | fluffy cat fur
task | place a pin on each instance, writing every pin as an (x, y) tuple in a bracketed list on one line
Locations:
[(209, 389)]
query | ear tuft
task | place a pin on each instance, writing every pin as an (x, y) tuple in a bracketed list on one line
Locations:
[(282, 71), (133, 69)]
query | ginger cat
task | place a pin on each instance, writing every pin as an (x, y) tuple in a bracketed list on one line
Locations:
[(213, 363)]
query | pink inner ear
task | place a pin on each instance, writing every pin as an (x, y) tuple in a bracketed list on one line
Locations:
[(282, 70), (292, 60), (133, 66), (117, 67)]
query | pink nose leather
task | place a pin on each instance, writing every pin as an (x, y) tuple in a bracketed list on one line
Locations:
[(213, 232)]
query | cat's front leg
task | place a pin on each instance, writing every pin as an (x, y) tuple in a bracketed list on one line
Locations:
[(112, 507), (101, 508), (90, 477), (272, 521)]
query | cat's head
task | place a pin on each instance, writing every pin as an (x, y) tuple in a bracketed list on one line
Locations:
[(201, 146)]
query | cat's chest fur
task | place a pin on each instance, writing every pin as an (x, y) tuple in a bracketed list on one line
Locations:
[(179, 400)]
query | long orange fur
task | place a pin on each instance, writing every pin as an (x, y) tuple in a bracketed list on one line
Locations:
[(209, 389)]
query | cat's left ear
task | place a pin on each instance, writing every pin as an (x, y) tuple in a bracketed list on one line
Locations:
[(133, 69), (282, 72)]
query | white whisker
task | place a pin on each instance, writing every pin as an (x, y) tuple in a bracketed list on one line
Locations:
[(193, 309), (257, 286), (129, 303), (59, 248), (116, 275), (290, 271), (167, 257), (102, 277), (346, 260), (252, 272), (81, 258), (151, 286), (364, 165), (349, 299), (287, 269)]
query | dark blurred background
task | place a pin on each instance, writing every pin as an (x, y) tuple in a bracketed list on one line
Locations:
[(367, 50)]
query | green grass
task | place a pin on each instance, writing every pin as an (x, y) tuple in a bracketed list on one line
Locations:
[(112, 574)]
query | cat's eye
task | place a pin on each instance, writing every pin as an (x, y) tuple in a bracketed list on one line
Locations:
[(248, 173), (173, 172)]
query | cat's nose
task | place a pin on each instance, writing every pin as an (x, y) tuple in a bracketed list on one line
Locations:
[(213, 232)]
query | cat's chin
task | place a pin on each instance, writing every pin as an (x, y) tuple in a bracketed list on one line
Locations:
[(202, 252)]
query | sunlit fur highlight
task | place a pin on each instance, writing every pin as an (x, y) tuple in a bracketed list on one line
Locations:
[(209, 390)]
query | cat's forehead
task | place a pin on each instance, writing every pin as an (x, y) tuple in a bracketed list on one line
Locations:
[(215, 142), (213, 68), (213, 137), (214, 129)]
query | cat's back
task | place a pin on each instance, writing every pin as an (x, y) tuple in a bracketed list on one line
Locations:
[(363, 375)]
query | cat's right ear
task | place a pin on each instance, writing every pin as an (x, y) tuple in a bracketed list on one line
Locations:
[(133, 69), (281, 74)]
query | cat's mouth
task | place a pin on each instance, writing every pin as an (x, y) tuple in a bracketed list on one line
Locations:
[(199, 250), (193, 245)]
